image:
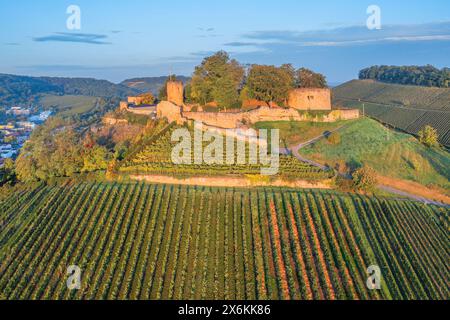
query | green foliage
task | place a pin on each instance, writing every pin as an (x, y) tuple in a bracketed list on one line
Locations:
[(148, 98), (217, 79), (269, 83), (155, 157), (306, 78), (334, 138), (389, 152), (365, 179), (7, 173), (56, 149), (23, 89), (419, 106), (414, 75), (95, 158), (429, 137)]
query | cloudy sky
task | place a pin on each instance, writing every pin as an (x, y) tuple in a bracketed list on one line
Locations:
[(121, 39)]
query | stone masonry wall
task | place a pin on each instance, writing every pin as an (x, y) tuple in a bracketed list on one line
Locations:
[(310, 99), (234, 120)]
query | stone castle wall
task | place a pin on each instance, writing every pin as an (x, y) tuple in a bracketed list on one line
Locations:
[(234, 120), (136, 100), (310, 99), (170, 111)]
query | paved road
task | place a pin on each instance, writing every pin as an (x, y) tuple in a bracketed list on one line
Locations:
[(295, 151)]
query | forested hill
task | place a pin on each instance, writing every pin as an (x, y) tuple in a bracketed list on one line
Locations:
[(150, 84), (23, 89), (428, 75)]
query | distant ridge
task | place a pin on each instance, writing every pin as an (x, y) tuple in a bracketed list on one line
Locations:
[(23, 89), (150, 84)]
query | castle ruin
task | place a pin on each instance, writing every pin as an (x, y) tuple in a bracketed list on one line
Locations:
[(300, 103), (175, 92)]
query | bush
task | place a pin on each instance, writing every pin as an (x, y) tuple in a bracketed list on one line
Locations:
[(429, 137), (365, 179), (334, 138)]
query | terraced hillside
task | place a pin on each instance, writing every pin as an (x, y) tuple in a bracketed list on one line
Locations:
[(409, 108), (155, 157), (139, 241)]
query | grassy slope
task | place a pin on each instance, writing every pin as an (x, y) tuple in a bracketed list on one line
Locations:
[(292, 133), (409, 108), (391, 153), (68, 104)]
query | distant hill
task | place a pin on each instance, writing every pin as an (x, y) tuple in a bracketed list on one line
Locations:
[(405, 107), (428, 75), (24, 89), (150, 84)]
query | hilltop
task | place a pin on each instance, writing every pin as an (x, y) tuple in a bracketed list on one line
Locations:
[(16, 89), (405, 107), (150, 84)]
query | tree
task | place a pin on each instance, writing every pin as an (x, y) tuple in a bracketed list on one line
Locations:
[(365, 179), (334, 138), (7, 173), (53, 150), (306, 78), (218, 79), (269, 83), (429, 136), (148, 98), (96, 158), (410, 75)]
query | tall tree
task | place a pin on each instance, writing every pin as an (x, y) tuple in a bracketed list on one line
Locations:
[(218, 79), (269, 83), (309, 79)]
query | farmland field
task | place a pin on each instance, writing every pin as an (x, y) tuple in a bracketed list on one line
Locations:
[(68, 104), (155, 157), (141, 241), (409, 108)]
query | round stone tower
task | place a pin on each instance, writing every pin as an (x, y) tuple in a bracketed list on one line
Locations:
[(175, 92)]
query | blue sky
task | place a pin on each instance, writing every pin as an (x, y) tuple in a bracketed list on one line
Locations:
[(122, 39)]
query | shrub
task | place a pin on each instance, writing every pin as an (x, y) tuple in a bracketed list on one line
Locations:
[(334, 138), (364, 179), (429, 137)]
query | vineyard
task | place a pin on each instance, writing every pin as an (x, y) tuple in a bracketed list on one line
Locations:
[(140, 241), (156, 158), (409, 108)]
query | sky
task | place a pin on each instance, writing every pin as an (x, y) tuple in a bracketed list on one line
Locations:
[(121, 39)]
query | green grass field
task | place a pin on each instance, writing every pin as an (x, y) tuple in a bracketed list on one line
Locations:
[(408, 108), (391, 153), (140, 241), (69, 105), (292, 133)]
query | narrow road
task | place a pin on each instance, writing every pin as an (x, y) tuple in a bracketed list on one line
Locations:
[(295, 151)]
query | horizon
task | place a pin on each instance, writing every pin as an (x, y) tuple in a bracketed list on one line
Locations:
[(143, 39)]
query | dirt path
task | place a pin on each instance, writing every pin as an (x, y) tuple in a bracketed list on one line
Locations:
[(232, 182)]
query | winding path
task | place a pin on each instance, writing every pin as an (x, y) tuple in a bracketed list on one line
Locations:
[(295, 151)]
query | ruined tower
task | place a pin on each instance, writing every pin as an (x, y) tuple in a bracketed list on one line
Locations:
[(175, 92)]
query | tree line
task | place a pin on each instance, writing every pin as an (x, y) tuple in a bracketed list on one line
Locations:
[(428, 75), (226, 82)]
